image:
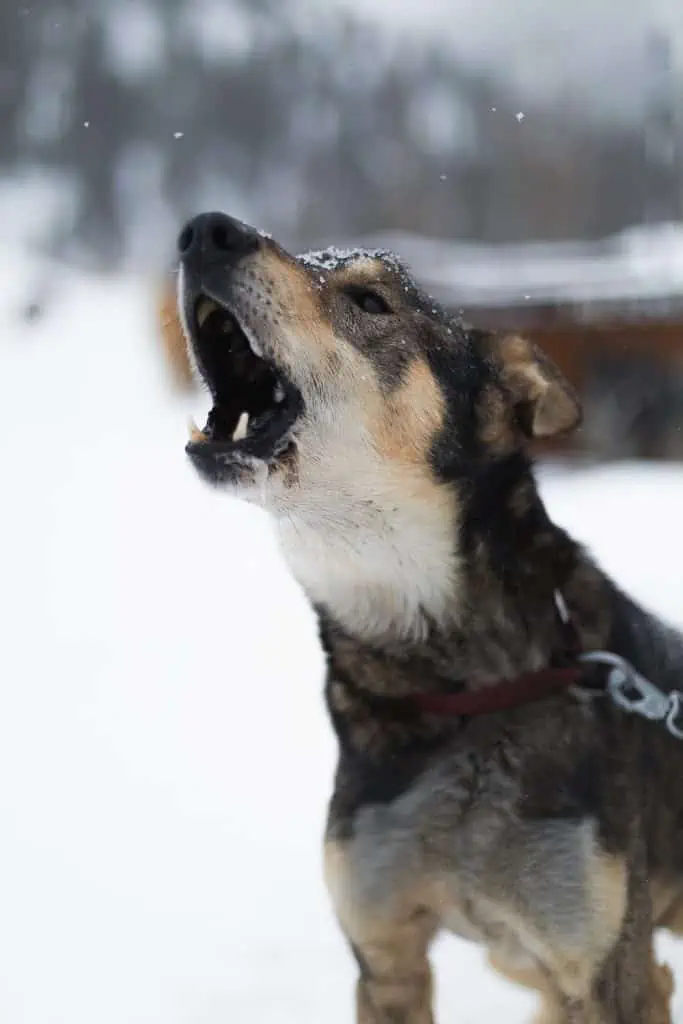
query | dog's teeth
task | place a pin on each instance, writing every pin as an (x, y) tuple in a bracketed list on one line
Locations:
[(241, 428), (279, 393), (204, 310), (194, 432), (254, 345)]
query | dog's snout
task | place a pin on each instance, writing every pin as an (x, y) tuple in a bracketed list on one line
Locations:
[(215, 238)]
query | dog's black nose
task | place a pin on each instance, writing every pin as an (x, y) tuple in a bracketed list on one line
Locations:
[(215, 238)]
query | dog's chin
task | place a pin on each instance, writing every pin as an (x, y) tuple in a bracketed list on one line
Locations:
[(241, 475), (250, 429), (246, 463)]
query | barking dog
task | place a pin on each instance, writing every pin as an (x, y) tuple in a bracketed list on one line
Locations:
[(389, 445)]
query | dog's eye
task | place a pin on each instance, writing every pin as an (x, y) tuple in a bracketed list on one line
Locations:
[(369, 302)]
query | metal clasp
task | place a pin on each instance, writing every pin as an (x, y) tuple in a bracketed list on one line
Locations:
[(674, 713), (636, 694)]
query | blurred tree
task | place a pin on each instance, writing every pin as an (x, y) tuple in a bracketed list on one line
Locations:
[(155, 108)]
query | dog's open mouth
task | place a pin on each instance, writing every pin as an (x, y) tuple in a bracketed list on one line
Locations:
[(254, 405)]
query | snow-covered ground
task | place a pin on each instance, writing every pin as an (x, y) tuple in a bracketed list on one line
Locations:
[(164, 754)]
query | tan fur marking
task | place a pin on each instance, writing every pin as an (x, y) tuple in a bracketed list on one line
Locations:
[(357, 919), (302, 338), (362, 270), (529, 978), (395, 983), (362, 921), (575, 976), (607, 896), (595, 1011), (662, 993), (566, 966), (548, 1013), (667, 907), (298, 300), (295, 291), (573, 971), (608, 890), (404, 425), (569, 967)]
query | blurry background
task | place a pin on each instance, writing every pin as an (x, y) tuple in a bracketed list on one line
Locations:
[(458, 133), (321, 120), (164, 755)]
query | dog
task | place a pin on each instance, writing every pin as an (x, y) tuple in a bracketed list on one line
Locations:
[(487, 782)]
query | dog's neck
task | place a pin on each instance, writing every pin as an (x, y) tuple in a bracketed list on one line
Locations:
[(512, 562), (381, 559)]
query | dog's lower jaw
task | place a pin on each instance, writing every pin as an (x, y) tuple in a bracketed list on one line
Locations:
[(239, 475)]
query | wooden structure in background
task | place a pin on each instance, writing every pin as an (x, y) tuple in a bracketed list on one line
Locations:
[(575, 343), (571, 338)]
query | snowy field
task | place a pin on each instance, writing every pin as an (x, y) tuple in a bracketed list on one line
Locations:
[(164, 755)]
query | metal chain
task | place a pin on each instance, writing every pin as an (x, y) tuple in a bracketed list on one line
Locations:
[(649, 701)]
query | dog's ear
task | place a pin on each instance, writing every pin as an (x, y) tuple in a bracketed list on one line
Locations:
[(545, 404)]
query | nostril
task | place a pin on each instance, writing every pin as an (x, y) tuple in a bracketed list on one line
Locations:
[(185, 239), (220, 238), (215, 237)]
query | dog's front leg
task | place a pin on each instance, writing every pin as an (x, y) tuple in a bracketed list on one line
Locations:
[(389, 933), (395, 982), (628, 986)]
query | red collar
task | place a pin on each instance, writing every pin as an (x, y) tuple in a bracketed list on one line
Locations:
[(527, 687), (502, 696)]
